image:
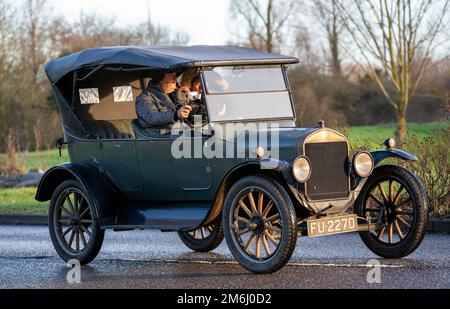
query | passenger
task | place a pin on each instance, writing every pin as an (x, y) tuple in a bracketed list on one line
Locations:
[(187, 94), (196, 85), (198, 105), (190, 93), (156, 111), (188, 77), (182, 94)]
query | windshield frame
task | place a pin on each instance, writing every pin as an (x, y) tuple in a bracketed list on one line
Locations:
[(288, 90)]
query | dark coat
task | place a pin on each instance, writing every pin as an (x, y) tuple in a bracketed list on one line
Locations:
[(156, 112)]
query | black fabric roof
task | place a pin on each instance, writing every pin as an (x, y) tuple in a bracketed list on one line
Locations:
[(161, 57)]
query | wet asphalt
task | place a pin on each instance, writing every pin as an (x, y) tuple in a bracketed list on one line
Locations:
[(151, 259)]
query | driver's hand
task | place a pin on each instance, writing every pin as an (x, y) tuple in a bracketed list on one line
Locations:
[(184, 112)]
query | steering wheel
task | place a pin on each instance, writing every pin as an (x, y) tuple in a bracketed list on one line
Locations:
[(198, 109)]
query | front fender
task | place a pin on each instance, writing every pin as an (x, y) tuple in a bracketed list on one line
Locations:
[(105, 198), (265, 166), (272, 164), (381, 155)]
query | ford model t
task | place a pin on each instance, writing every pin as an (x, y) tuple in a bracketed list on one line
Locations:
[(242, 171)]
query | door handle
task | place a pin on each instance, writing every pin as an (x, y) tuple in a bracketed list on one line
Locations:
[(118, 146)]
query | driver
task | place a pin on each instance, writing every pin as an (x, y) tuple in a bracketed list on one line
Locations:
[(156, 112), (189, 93)]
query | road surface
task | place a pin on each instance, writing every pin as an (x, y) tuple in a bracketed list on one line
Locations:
[(151, 259)]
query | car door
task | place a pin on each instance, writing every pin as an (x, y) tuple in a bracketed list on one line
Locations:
[(120, 164), (193, 171), (169, 178)]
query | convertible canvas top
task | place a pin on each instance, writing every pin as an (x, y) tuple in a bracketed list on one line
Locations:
[(162, 58)]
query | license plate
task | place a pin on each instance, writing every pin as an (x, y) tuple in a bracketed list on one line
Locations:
[(333, 226)]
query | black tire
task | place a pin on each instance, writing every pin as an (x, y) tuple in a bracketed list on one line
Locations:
[(405, 221), (273, 218), (203, 239), (72, 201)]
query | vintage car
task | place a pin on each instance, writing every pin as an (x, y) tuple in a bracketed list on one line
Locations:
[(287, 183)]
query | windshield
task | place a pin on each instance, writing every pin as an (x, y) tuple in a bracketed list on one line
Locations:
[(247, 93), (239, 79)]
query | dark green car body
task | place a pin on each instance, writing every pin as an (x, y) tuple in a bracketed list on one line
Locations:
[(135, 182)]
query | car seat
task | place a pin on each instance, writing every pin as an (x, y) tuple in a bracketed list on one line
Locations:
[(118, 129)]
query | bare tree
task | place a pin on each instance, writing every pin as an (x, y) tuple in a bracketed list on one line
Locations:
[(394, 41), (28, 88), (5, 21), (265, 22), (305, 49), (153, 34), (5, 59), (88, 31), (34, 38), (327, 14), (93, 30)]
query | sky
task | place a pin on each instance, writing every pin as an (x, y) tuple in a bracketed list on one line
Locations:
[(204, 20)]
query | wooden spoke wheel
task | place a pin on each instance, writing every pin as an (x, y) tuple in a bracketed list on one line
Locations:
[(257, 224), (260, 224), (202, 232), (203, 239), (395, 201), (74, 232), (390, 206)]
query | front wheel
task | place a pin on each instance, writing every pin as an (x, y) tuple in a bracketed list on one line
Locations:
[(203, 239), (260, 224), (74, 231), (396, 202)]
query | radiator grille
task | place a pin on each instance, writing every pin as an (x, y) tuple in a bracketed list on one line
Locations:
[(329, 179)]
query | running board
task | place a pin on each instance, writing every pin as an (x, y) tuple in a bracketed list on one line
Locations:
[(163, 217)]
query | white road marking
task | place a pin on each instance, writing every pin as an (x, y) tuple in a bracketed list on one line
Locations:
[(344, 265), (289, 264)]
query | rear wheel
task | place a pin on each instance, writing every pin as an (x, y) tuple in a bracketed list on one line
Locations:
[(203, 239), (394, 199), (74, 231), (260, 224)]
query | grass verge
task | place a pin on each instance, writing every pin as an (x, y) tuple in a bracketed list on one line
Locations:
[(21, 202)]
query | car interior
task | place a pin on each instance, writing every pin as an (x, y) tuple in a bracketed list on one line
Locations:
[(106, 104), (107, 113)]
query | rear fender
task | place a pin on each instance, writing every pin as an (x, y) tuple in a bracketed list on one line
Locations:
[(106, 199)]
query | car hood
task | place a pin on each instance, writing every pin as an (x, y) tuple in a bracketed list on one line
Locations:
[(289, 139), (287, 136)]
